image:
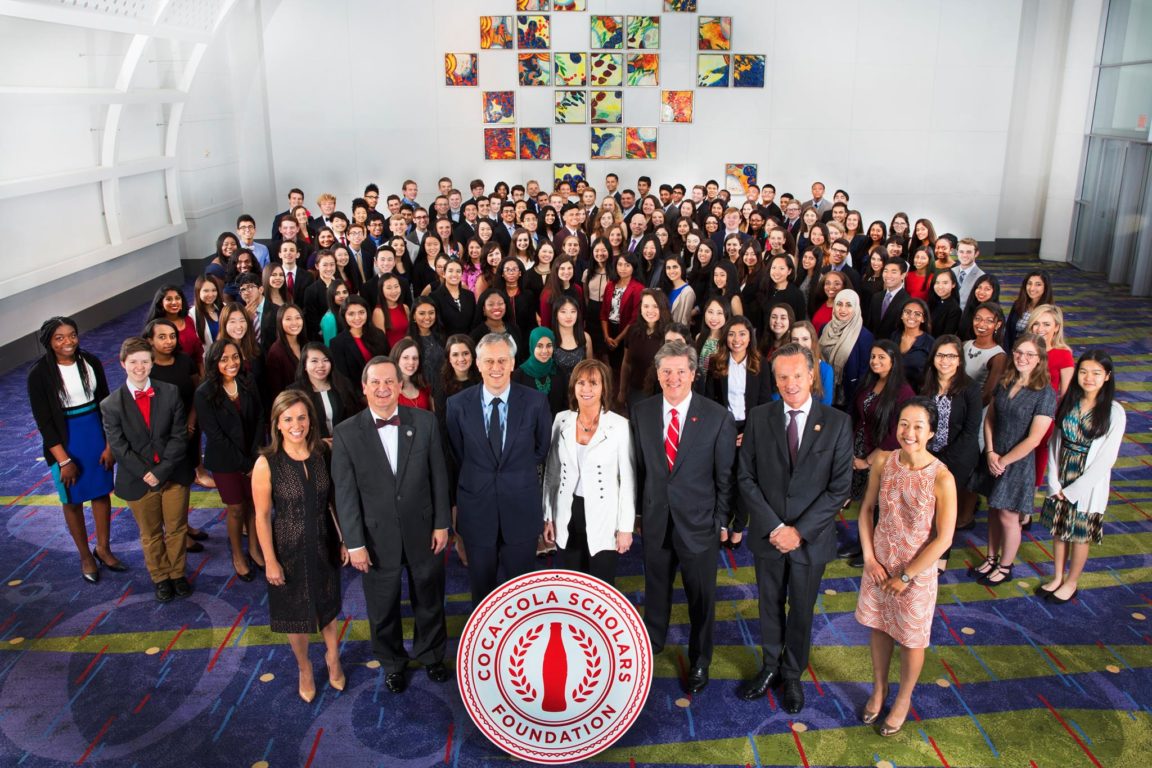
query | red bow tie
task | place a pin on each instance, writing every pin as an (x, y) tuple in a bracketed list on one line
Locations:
[(394, 421), (145, 393)]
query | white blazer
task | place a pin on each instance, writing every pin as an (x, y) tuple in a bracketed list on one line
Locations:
[(609, 480), (1090, 491)]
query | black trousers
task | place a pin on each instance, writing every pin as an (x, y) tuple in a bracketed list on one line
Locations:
[(786, 635), (575, 554), (698, 572), (426, 595), (486, 563)]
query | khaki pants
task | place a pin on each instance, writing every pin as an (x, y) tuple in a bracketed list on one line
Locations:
[(162, 516)]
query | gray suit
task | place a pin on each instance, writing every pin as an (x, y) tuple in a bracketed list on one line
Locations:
[(136, 445), (773, 493), (964, 291), (393, 515), (683, 511)]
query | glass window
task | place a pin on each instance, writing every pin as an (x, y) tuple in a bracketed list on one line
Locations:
[(1127, 36), (1124, 102)]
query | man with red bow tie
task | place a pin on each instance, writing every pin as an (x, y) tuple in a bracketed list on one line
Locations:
[(146, 428)]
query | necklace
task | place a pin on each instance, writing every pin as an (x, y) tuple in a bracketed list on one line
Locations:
[(235, 390), (588, 429)]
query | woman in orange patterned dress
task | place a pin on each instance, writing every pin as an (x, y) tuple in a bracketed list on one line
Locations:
[(917, 498)]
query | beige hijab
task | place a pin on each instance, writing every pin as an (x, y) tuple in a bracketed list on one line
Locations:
[(840, 336)]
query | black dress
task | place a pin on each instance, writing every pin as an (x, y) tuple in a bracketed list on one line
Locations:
[(307, 546)]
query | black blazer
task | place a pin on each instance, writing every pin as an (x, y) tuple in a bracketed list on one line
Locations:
[(301, 281), (946, 318), (340, 409), (454, 319), (46, 408), (315, 306), (392, 514), (268, 325), (882, 326), (346, 356), (757, 388), (234, 433), (697, 494), (964, 424), (135, 444), (792, 296), (773, 493), (848, 272)]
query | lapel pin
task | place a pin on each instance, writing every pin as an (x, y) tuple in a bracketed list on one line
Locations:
[(408, 433), (694, 419), (815, 427)]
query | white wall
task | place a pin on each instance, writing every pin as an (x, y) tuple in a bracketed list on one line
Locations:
[(906, 103)]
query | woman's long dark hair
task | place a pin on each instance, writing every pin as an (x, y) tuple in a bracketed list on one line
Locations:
[(156, 311), (960, 379), (562, 300), (752, 359), (448, 378), (46, 331), (212, 376), (1100, 419), (1020, 306), (886, 407), (339, 381)]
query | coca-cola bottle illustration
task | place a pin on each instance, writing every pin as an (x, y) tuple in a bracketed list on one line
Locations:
[(555, 671)]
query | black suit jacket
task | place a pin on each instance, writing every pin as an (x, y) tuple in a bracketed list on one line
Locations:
[(392, 514), (808, 497), (135, 444), (757, 388), (882, 325), (453, 319), (499, 494), (301, 280), (234, 434), (697, 494)]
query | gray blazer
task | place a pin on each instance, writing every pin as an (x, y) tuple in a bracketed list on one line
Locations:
[(393, 515), (697, 494), (807, 498), (136, 446)]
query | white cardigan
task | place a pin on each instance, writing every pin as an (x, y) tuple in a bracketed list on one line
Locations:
[(1090, 491), (609, 480)]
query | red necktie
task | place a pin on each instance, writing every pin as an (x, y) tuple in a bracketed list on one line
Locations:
[(291, 284), (144, 403), (672, 440)]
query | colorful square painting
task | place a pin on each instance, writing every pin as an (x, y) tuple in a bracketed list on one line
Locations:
[(715, 33), (676, 106), (606, 69), (535, 143), (569, 5), (496, 32), (532, 5), (607, 144), (608, 32), (738, 177), (499, 107), (643, 69), (571, 107), (461, 69), (533, 32), (499, 143), (570, 70), (680, 6), (643, 32), (748, 70), (535, 68), (573, 173), (712, 70), (640, 144), (607, 107)]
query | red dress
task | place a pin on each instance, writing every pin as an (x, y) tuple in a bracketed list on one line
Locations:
[(821, 318), (190, 343), (1058, 360), (918, 286), (422, 401), (398, 319)]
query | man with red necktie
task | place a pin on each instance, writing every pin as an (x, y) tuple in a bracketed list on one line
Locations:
[(147, 431), (685, 460)]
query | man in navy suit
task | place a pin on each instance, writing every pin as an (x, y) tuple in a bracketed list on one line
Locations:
[(500, 434)]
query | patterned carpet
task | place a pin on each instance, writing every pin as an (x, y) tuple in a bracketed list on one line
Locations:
[(104, 675)]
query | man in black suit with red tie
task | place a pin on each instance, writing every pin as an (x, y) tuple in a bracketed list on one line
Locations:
[(296, 277), (392, 500), (570, 214), (685, 452), (795, 472)]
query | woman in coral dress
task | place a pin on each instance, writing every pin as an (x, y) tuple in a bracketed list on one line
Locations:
[(917, 498)]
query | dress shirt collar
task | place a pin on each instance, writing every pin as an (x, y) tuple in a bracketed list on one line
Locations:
[(681, 409), (133, 390), (487, 397), (377, 415)]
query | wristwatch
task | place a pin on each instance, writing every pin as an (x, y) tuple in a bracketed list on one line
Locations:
[(905, 578)]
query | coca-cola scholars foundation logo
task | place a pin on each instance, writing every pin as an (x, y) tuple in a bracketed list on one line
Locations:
[(554, 666)]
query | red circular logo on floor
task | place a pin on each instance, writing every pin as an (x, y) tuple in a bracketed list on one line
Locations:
[(554, 666)]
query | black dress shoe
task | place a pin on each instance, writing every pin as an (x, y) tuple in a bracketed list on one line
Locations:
[(848, 551), (792, 696), (758, 686), (245, 576), (194, 547), (197, 535), (856, 561), (164, 591), (697, 679), (181, 587), (438, 673), (396, 682), (116, 567), (91, 578)]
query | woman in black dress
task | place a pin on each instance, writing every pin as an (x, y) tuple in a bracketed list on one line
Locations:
[(303, 549), (65, 388), (455, 304), (333, 397)]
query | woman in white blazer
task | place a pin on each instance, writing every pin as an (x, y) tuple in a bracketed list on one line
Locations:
[(1086, 437), (589, 483)]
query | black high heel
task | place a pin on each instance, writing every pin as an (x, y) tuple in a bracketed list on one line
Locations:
[(116, 567)]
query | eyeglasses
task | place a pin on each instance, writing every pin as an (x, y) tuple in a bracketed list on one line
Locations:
[(1026, 355), (947, 356), (912, 313), (841, 251)]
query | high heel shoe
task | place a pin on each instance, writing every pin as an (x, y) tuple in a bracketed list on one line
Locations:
[(887, 730), (867, 717), (92, 577), (336, 682), (306, 694), (116, 567), (245, 577), (979, 571)]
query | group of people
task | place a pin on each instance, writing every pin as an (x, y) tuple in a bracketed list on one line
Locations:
[(530, 370)]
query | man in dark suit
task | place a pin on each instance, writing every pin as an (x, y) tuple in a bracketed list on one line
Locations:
[(146, 428), (838, 261), (296, 277), (887, 305), (392, 500), (685, 452), (795, 472), (570, 214), (295, 198), (500, 434)]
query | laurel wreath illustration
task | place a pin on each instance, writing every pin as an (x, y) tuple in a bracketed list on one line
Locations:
[(516, 674), (592, 669), (588, 682)]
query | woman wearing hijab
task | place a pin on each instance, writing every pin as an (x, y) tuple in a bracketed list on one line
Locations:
[(65, 388), (540, 371), (846, 344)]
